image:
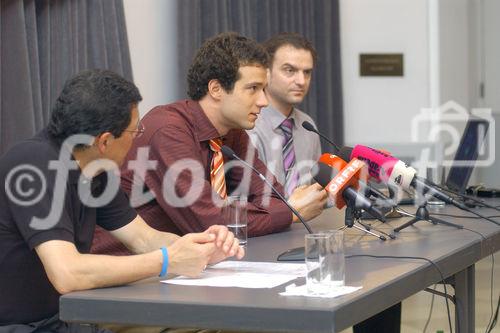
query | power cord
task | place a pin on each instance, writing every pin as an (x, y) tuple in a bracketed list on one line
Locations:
[(415, 258)]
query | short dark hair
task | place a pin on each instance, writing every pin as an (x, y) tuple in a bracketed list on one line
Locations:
[(288, 38), (219, 58), (93, 102)]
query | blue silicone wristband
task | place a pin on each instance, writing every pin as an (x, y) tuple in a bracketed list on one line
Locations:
[(164, 266)]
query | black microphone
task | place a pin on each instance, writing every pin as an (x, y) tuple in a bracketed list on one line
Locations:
[(232, 155), (310, 127)]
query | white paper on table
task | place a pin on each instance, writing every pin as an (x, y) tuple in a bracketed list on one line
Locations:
[(244, 274), (293, 290)]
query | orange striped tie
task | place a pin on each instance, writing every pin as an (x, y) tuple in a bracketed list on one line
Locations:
[(217, 177)]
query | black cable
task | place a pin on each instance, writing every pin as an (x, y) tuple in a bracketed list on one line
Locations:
[(464, 217), (491, 280), (474, 231), (494, 322), (484, 217), (491, 294), (487, 218), (415, 258), (430, 310), (464, 196), (468, 209)]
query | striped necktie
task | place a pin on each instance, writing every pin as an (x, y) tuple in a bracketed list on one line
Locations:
[(217, 177), (291, 176)]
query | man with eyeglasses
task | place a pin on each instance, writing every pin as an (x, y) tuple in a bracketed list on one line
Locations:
[(56, 191), (137, 132)]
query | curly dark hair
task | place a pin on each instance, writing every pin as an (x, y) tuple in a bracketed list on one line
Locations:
[(219, 58), (288, 38), (93, 102)]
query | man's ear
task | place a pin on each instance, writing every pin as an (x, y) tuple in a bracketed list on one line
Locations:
[(215, 89), (102, 141)]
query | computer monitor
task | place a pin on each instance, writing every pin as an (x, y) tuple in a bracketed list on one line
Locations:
[(468, 150)]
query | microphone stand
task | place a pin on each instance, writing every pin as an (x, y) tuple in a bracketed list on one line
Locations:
[(402, 212), (422, 214), (353, 218), (389, 202)]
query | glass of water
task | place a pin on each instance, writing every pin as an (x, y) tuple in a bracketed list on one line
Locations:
[(337, 257), (234, 213), (318, 263), (325, 261)]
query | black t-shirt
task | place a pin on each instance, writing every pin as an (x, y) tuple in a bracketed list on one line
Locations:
[(32, 177)]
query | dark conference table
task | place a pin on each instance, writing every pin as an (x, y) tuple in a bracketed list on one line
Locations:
[(385, 282)]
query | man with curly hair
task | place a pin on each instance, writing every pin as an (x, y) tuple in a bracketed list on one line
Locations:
[(181, 146)]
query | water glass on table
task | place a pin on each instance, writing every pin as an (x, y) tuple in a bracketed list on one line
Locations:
[(234, 212), (337, 257), (325, 261)]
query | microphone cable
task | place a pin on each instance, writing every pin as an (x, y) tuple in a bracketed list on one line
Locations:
[(465, 196), (495, 319), (430, 310), (466, 208), (493, 315), (415, 258), (464, 217), (481, 216)]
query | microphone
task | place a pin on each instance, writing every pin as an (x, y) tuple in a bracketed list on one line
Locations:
[(310, 127), (404, 176), (390, 170), (342, 187), (369, 191), (228, 152), (331, 160)]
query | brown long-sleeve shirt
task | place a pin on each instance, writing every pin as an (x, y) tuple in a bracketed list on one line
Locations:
[(176, 137)]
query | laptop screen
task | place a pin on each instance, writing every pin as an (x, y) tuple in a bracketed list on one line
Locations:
[(468, 151)]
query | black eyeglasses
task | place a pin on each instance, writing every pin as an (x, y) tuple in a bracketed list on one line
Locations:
[(137, 132)]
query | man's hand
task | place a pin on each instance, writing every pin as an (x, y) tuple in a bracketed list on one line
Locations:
[(227, 245), (189, 255), (308, 200)]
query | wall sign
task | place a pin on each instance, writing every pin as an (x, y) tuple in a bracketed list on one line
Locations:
[(381, 64)]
